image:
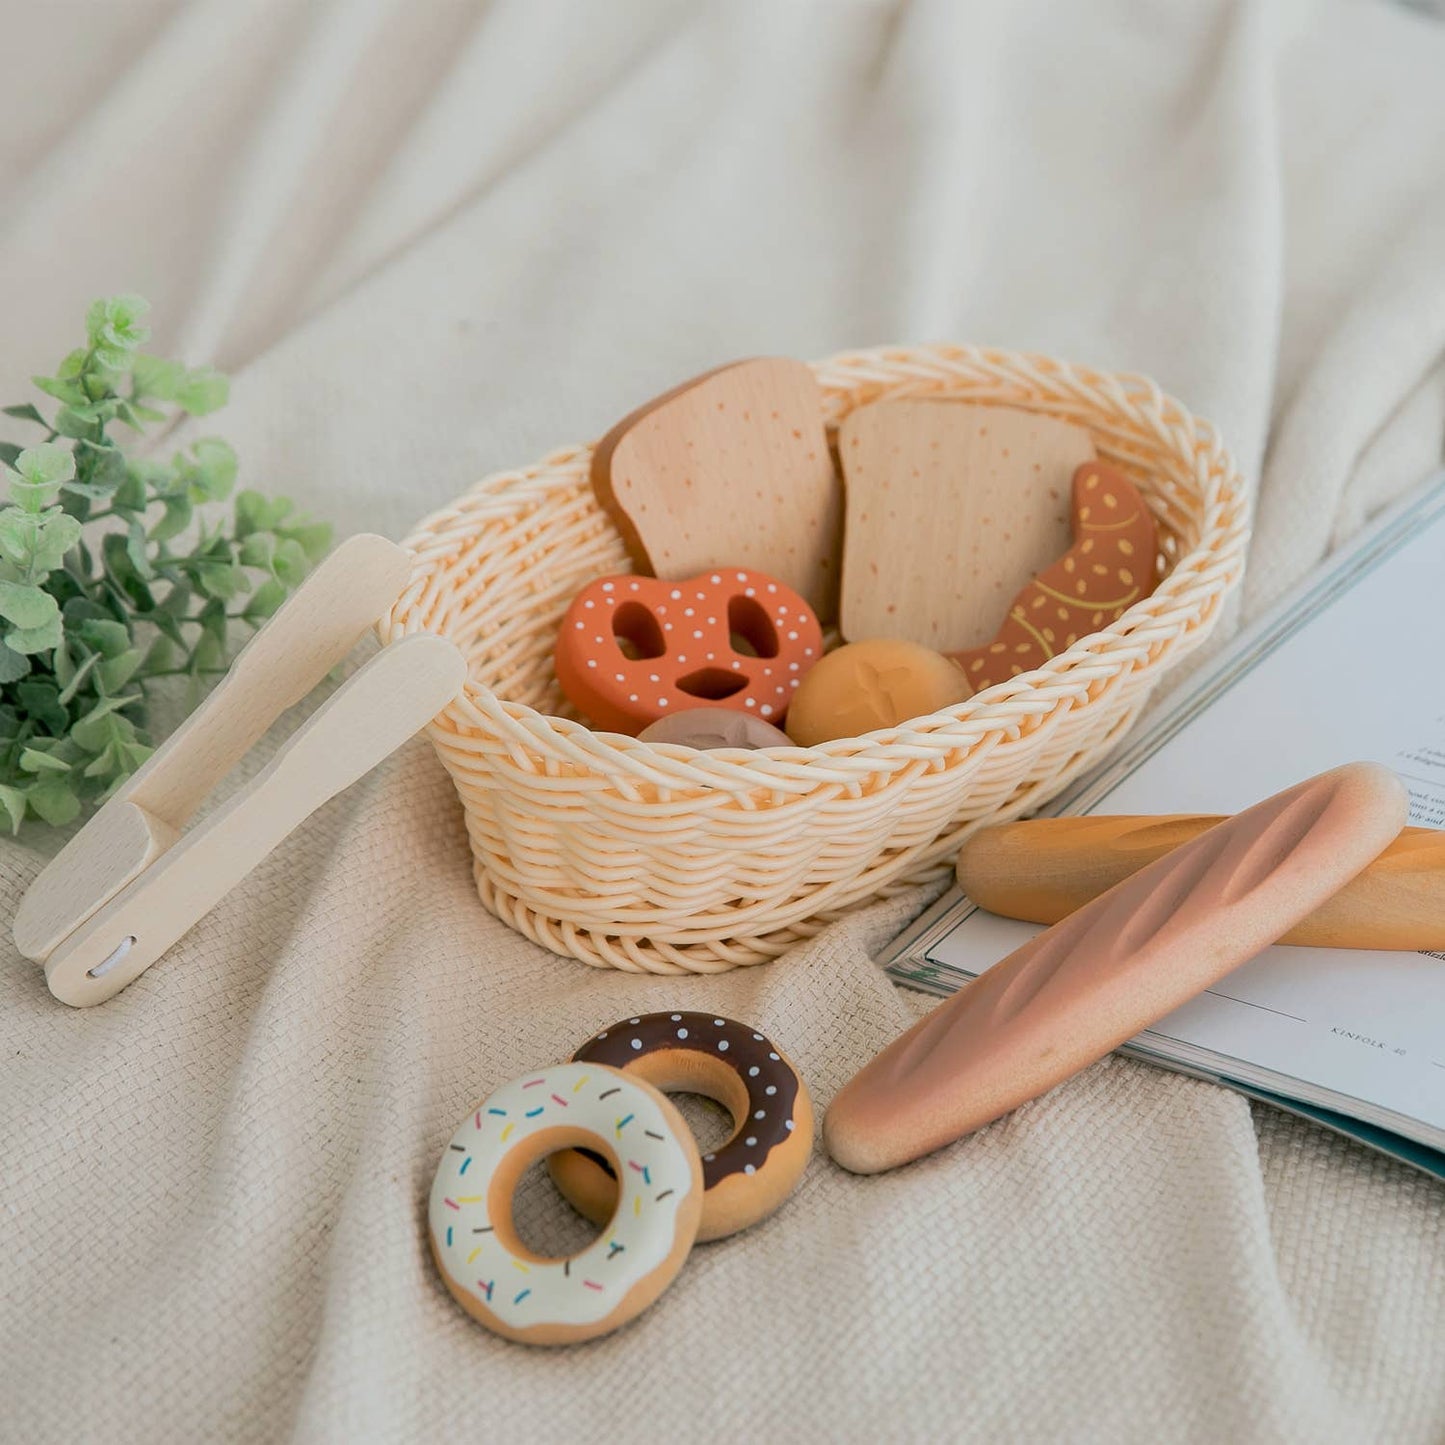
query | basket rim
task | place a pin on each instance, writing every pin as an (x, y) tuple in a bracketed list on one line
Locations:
[(1184, 600)]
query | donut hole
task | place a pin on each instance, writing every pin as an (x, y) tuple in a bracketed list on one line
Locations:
[(530, 1218), (711, 1121), (707, 1092), (543, 1220)]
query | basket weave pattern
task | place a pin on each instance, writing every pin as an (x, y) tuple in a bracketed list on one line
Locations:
[(662, 859)]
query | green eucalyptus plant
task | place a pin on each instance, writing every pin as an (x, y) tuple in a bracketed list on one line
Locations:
[(90, 616)]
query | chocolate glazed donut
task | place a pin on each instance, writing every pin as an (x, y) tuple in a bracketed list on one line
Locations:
[(744, 1179)]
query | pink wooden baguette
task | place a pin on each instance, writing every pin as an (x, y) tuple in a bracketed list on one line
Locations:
[(1117, 965)]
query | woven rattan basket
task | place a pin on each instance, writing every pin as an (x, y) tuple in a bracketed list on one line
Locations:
[(663, 859)]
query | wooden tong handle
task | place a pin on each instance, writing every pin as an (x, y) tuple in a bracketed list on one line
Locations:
[(1043, 869), (324, 619), (371, 715)]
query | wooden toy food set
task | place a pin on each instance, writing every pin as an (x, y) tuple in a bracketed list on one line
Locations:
[(742, 784), (821, 622), (650, 854)]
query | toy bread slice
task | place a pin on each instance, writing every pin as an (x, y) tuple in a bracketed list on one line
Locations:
[(732, 467), (1043, 869), (950, 509), (1117, 965)]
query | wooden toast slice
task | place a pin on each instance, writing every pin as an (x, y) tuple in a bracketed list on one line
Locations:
[(732, 467), (950, 509)]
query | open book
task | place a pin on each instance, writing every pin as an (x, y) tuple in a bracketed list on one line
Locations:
[(1347, 668)]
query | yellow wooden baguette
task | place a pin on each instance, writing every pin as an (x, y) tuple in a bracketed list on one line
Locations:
[(1043, 869)]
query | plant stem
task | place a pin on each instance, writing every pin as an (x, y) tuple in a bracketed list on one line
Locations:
[(183, 672)]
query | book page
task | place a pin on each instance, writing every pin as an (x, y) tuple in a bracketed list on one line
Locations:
[(1360, 677)]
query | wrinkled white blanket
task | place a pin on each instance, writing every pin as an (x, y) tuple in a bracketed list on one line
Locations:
[(435, 239)]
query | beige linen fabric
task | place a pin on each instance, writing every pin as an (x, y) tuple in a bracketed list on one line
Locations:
[(432, 240)]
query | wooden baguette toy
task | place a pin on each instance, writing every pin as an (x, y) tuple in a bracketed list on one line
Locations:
[(1114, 967), (1043, 869), (950, 509), (734, 465)]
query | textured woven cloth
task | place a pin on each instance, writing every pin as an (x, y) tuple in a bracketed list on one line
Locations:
[(434, 240)]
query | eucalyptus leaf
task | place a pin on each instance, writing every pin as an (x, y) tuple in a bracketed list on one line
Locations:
[(27, 606), (140, 477), (213, 620), (208, 653), (135, 546), (40, 698), (13, 665), (88, 490), (96, 730), (175, 519), (215, 469), (218, 580), (55, 536), (40, 638), (108, 637), (69, 392), (63, 665), (33, 760), (152, 376), (12, 800), (114, 323), (203, 391), (45, 463), (73, 422), (258, 550), (107, 763), (314, 539), (33, 497), (266, 600), (115, 672), (255, 513), (290, 564), (54, 801)]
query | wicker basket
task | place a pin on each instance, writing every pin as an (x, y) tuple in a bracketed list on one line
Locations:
[(662, 859)]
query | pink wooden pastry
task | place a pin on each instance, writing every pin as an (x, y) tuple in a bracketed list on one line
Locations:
[(1117, 965)]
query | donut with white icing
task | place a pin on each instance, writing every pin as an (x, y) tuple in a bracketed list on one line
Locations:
[(646, 1238), (746, 1178)]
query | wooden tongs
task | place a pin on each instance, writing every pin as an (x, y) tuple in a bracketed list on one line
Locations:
[(131, 882)]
